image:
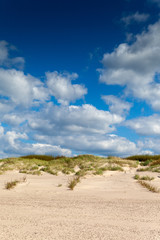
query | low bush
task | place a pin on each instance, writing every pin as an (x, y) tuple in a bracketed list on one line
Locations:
[(143, 158)]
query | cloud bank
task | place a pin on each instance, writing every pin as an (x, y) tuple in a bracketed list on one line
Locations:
[(43, 116), (136, 67)]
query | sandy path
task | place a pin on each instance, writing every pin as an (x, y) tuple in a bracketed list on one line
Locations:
[(106, 207)]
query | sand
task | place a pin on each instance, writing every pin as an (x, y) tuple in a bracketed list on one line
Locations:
[(109, 207)]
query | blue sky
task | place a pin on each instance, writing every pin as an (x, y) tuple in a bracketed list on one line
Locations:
[(79, 77)]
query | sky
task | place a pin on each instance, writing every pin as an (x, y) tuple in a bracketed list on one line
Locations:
[(79, 77)]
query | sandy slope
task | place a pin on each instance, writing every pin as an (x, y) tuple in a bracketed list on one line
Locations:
[(113, 206)]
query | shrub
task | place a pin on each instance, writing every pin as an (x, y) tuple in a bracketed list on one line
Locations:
[(143, 158), (40, 157)]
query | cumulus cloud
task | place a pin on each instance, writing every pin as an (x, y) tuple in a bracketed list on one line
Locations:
[(39, 148), (10, 140), (62, 89), (13, 119), (117, 105), (85, 119), (6, 60), (56, 129), (136, 66), (21, 89), (136, 17), (12, 136), (107, 144), (152, 144), (145, 125), (5, 106), (83, 129), (11, 144)]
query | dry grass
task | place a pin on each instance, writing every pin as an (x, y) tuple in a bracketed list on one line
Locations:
[(149, 186), (145, 178), (73, 182), (12, 184), (37, 164)]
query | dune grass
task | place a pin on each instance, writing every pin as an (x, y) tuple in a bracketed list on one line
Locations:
[(143, 181), (72, 182), (145, 178), (37, 164), (148, 186), (12, 184), (143, 158)]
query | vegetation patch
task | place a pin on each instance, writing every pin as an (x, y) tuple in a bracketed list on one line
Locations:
[(59, 185), (73, 182), (37, 164), (143, 158), (12, 184), (149, 186), (145, 178)]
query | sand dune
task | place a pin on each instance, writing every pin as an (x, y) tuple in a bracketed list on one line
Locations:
[(110, 207)]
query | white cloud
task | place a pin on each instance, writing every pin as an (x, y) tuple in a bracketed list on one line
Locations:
[(11, 145), (107, 144), (152, 144), (12, 136), (58, 129), (13, 119), (6, 60), (5, 106), (135, 66), (39, 148), (104, 145), (84, 119), (145, 125), (83, 129), (117, 105), (62, 89), (1, 131), (136, 17), (21, 89)]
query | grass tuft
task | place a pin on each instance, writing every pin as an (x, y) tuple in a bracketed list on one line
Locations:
[(73, 182), (59, 185), (149, 186), (12, 184), (145, 178)]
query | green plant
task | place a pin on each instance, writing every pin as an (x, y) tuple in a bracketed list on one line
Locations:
[(49, 170), (115, 168), (136, 177), (143, 169), (146, 163), (155, 163), (145, 178), (143, 158), (100, 171)]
